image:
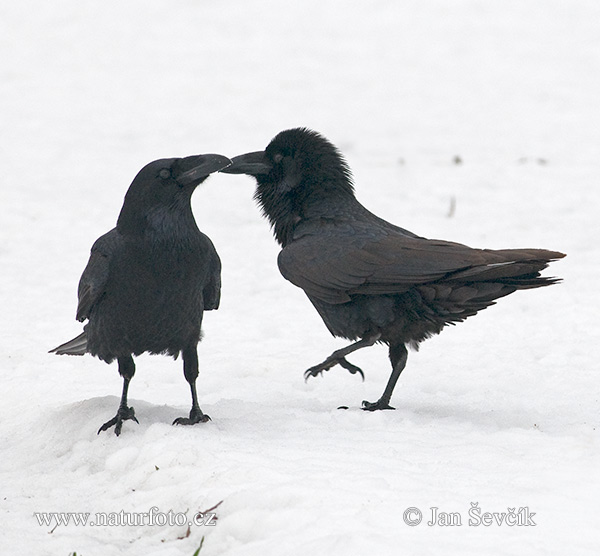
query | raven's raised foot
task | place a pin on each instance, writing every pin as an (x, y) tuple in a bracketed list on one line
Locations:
[(196, 416), (375, 406), (331, 362), (123, 414)]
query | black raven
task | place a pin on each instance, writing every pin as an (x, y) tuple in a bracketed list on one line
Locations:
[(149, 280), (369, 280)]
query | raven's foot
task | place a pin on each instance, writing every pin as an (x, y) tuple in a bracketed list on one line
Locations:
[(375, 406), (123, 414), (331, 362), (196, 416)]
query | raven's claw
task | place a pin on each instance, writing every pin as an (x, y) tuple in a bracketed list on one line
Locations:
[(196, 416), (123, 414), (314, 371), (352, 368), (331, 362), (375, 406)]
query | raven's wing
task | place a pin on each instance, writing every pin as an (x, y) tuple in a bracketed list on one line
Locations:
[(212, 290), (93, 280), (332, 267)]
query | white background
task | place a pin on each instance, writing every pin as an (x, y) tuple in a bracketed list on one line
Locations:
[(501, 410)]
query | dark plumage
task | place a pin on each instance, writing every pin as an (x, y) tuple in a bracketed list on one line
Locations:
[(149, 280), (369, 280)]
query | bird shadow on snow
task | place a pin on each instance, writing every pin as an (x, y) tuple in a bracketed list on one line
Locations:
[(62, 429), (69, 433), (83, 419), (419, 403)]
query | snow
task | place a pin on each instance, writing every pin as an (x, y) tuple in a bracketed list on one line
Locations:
[(501, 410)]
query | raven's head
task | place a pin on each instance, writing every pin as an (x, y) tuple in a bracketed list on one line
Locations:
[(298, 169), (165, 186)]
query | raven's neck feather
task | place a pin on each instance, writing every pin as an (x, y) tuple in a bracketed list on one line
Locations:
[(161, 223), (286, 212)]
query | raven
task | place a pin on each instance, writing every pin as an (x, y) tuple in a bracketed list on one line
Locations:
[(369, 280), (149, 279)]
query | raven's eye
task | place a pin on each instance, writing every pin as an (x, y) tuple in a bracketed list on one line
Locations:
[(165, 173), (277, 158)]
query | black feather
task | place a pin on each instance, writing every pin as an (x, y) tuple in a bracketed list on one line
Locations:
[(368, 279), (150, 279)]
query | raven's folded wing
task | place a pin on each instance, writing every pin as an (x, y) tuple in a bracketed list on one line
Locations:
[(93, 280), (212, 290), (333, 268)]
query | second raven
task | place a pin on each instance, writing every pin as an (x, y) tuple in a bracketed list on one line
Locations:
[(369, 280), (150, 279)]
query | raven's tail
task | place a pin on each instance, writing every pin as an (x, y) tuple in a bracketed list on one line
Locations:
[(466, 292), (521, 269), (76, 346)]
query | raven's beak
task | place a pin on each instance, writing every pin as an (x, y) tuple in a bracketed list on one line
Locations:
[(252, 164), (201, 166)]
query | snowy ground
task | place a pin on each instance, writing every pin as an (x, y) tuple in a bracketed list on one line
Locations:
[(501, 410)]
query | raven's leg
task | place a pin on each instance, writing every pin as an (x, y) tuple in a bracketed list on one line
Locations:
[(339, 358), (398, 357), (190, 371), (126, 370)]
